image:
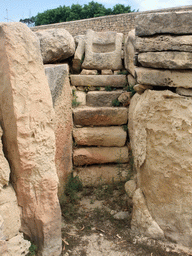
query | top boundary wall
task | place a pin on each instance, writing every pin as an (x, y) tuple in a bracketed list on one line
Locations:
[(121, 23)]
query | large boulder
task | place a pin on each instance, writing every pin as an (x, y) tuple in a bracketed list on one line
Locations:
[(29, 141), (103, 50), (160, 133), (129, 51), (56, 44)]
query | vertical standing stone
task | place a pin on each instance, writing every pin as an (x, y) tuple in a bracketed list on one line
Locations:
[(29, 140)]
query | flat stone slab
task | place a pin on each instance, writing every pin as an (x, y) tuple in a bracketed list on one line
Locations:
[(101, 155), (178, 23), (184, 92), (102, 116), (166, 60), (102, 98), (164, 43), (99, 80), (100, 136), (129, 52), (171, 78), (95, 175)]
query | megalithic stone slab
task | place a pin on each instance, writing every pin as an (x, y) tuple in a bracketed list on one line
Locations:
[(166, 60), (178, 23), (129, 51), (29, 140), (117, 81), (58, 80), (103, 50), (171, 78), (104, 116)]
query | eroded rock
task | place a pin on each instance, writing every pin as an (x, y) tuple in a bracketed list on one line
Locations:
[(102, 98), (129, 50)]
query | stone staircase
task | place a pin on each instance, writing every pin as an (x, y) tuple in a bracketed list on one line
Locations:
[(100, 151)]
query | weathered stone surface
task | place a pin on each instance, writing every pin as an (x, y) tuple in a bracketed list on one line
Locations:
[(121, 215), (4, 166), (99, 80), (142, 221), (171, 78), (164, 43), (103, 116), (184, 92), (89, 72), (166, 60), (100, 136), (56, 44), (58, 80), (101, 174), (160, 134), (18, 246), (102, 98), (130, 187), (10, 212), (103, 50), (80, 50), (29, 140), (129, 51), (164, 23), (106, 72), (101, 155), (81, 98), (131, 80), (140, 88), (125, 98)]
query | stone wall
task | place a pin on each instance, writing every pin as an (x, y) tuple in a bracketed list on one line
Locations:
[(120, 23)]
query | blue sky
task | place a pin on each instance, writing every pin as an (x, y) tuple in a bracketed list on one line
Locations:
[(19, 9)]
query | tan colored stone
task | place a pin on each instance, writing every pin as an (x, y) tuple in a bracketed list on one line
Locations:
[(81, 98), (18, 246), (29, 140), (164, 23), (171, 78), (56, 44), (129, 50), (58, 80), (131, 80), (103, 116), (101, 174), (106, 72), (89, 72), (116, 72), (80, 50), (101, 155), (102, 98), (166, 60), (99, 80), (103, 50), (3, 248), (164, 43), (125, 98), (100, 136), (140, 88), (4, 166), (184, 92), (160, 134), (130, 187), (142, 221)]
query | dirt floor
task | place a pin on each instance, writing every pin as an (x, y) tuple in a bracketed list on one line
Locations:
[(97, 222)]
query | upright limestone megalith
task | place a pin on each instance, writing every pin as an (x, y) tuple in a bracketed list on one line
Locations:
[(27, 119)]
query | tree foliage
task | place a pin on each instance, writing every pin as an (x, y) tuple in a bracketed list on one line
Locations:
[(76, 12)]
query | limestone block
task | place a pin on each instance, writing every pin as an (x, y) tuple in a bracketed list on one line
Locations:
[(184, 92), (142, 221), (10, 212), (18, 246), (117, 81), (102, 98), (29, 139), (106, 72), (140, 88), (80, 50), (58, 80), (164, 43), (4, 166), (131, 80), (125, 98), (130, 187), (160, 135), (103, 50), (103, 116), (129, 50), (81, 98), (2, 237), (89, 72), (56, 44), (101, 155), (166, 60), (178, 23), (100, 136), (95, 175), (171, 78), (3, 248)]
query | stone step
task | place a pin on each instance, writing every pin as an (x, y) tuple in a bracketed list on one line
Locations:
[(102, 98), (95, 175), (102, 116), (100, 136), (117, 81), (100, 155)]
